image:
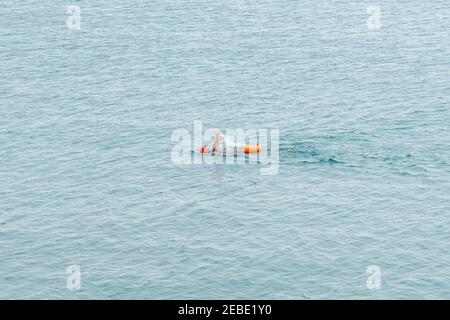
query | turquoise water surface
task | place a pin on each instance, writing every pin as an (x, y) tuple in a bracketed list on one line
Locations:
[(86, 176)]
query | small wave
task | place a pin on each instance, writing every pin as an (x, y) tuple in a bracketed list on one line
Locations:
[(330, 160)]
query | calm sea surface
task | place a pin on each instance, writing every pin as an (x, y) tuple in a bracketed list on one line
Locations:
[(86, 176)]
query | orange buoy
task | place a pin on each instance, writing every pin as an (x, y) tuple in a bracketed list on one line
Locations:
[(252, 149), (204, 149)]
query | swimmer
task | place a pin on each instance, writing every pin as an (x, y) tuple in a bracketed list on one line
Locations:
[(217, 147), (216, 144)]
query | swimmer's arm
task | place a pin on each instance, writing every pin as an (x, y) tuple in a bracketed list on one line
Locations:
[(217, 141)]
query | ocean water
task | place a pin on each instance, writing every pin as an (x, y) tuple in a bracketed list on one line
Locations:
[(86, 176)]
